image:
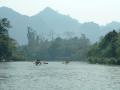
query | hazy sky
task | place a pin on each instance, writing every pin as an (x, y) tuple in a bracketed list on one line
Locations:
[(99, 11)]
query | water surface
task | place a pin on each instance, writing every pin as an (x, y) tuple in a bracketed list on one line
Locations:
[(58, 76)]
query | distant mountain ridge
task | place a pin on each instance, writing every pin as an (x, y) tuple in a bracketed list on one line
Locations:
[(50, 20)]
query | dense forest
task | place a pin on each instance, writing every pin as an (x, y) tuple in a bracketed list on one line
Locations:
[(7, 44), (55, 48), (39, 47), (107, 50)]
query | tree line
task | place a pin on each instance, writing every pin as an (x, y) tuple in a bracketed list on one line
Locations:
[(7, 44), (58, 48), (107, 50)]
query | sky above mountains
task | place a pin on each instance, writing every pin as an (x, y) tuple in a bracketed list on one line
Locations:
[(99, 11)]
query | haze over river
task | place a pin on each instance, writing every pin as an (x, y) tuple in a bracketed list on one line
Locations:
[(58, 76)]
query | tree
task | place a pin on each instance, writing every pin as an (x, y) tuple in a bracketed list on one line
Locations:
[(107, 50), (7, 45)]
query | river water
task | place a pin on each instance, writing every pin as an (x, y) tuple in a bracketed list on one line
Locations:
[(58, 76)]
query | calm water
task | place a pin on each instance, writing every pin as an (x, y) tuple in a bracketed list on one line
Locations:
[(57, 76)]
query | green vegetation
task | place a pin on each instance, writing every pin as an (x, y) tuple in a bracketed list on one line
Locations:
[(7, 45), (107, 51), (72, 48)]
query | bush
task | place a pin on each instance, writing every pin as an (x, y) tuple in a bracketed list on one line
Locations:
[(109, 61)]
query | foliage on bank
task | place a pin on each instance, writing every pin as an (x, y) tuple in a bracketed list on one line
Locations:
[(55, 48), (7, 45), (107, 51)]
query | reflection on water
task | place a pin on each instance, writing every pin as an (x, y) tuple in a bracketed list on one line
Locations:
[(58, 76)]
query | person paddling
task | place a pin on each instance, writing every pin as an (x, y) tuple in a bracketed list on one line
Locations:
[(37, 62)]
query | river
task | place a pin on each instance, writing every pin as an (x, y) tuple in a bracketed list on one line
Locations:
[(58, 76)]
